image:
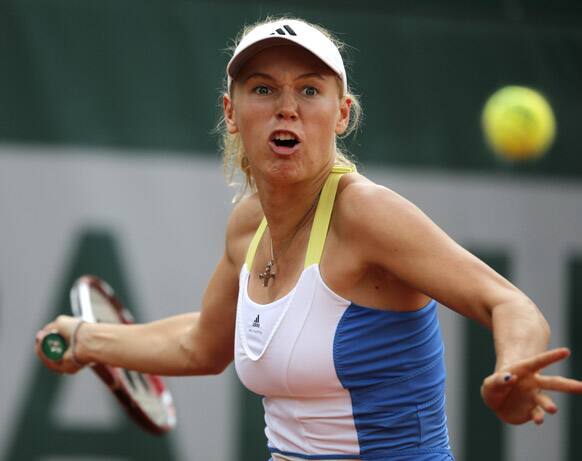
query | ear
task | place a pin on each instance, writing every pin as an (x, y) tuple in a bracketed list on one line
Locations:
[(228, 108), (344, 116)]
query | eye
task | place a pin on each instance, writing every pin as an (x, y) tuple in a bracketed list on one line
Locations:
[(262, 90), (310, 91)]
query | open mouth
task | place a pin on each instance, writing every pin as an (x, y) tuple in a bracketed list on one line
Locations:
[(284, 139)]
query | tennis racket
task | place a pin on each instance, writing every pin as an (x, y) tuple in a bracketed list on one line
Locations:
[(145, 397)]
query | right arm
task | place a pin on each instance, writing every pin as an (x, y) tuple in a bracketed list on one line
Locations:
[(197, 343)]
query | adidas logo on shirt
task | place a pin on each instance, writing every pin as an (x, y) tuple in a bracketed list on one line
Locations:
[(257, 322)]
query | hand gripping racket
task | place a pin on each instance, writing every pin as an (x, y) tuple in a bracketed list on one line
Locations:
[(145, 397)]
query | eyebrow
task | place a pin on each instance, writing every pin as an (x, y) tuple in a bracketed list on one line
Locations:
[(311, 74), (258, 75), (270, 77)]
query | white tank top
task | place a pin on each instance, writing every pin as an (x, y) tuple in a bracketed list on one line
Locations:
[(283, 351)]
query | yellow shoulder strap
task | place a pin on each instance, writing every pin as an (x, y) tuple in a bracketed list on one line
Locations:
[(320, 222), (254, 244), (323, 215)]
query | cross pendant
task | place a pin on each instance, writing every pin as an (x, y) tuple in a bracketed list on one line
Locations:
[(267, 275)]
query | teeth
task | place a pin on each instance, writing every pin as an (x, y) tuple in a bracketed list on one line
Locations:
[(284, 136)]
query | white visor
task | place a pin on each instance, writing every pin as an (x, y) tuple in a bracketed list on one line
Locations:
[(280, 32)]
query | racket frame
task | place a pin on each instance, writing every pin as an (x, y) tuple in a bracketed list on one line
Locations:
[(112, 376)]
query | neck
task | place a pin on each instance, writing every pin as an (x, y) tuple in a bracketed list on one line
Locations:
[(288, 208)]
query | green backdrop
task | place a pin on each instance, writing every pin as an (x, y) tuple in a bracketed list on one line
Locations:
[(147, 74)]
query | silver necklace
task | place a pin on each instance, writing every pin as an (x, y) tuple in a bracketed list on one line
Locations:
[(269, 272), (268, 275)]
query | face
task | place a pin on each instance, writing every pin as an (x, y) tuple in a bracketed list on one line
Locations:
[(286, 106)]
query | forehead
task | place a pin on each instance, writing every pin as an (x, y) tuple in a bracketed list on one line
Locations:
[(284, 58)]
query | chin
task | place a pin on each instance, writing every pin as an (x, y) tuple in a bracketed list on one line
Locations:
[(286, 171)]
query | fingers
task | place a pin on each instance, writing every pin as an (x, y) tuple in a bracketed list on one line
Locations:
[(68, 364), (560, 384), (496, 388), (537, 415), (498, 382), (62, 325), (540, 361), (516, 393), (546, 403)]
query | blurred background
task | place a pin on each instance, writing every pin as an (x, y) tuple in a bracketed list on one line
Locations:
[(109, 165)]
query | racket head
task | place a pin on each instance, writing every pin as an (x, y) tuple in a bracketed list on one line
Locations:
[(145, 397)]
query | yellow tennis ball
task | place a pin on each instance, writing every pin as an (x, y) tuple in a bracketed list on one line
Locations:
[(518, 123)]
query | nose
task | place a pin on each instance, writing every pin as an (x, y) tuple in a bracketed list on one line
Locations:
[(287, 106)]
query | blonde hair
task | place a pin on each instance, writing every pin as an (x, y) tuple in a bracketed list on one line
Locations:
[(234, 156)]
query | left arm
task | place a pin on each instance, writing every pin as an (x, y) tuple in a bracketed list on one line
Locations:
[(394, 234)]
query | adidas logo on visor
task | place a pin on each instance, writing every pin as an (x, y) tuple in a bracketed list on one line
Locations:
[(282, 32)]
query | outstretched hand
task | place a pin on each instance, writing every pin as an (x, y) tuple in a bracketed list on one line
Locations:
[(517, 394)]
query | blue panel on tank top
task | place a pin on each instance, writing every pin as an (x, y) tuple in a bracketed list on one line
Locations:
[(392, 363)]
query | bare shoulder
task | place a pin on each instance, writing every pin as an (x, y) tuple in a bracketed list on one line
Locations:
[(385, 228), (242, 224), (363, 205)]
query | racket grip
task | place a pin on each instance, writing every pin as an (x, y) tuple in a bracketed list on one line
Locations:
[(53, 346)]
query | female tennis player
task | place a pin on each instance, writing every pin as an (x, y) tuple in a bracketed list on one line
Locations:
[(326, 294)]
